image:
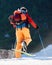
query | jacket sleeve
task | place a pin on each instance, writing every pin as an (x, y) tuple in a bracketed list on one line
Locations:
[(12, 20), (30, 20)]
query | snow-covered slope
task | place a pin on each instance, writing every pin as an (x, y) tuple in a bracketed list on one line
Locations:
[(46, 51), (43, 57), (27, 61)]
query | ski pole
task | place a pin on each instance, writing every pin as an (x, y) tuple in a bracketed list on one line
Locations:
[(41, 41)]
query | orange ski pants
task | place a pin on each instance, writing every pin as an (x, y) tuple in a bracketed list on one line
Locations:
[(22, 35)]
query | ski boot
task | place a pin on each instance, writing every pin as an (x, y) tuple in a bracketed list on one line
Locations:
[(24, 47)]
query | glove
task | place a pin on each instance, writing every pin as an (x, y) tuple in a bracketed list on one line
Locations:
[(37, 28)]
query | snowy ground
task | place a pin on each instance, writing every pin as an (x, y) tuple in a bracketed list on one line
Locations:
[(43, 57), (46, 51), (27, 61)]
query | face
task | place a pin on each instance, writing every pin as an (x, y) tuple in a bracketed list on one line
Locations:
[(23, 11)]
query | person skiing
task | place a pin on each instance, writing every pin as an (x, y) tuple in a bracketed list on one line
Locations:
[(20, 21)]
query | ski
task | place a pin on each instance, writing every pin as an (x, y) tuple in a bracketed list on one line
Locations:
[(28, 54)]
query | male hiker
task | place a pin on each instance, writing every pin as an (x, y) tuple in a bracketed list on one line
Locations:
[(20, 21)]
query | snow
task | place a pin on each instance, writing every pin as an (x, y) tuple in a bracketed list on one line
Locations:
[(46, 51), (43, 57), (27, 61)]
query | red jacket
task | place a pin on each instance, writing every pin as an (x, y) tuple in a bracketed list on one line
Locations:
[(29, 19)]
